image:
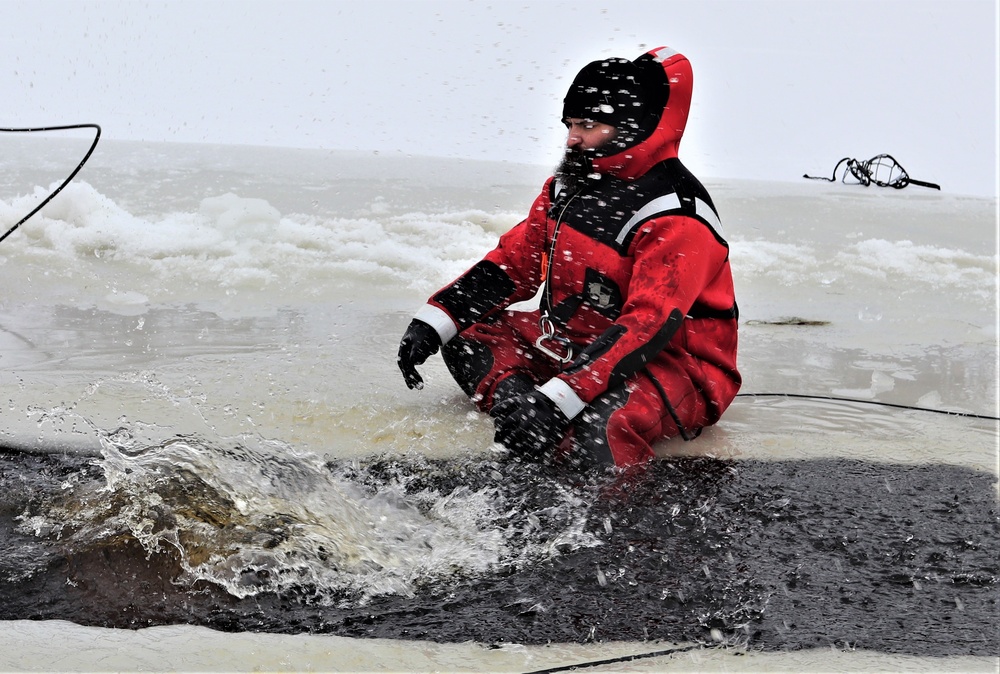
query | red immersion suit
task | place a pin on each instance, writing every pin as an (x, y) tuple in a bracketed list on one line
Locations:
[(640, 341)]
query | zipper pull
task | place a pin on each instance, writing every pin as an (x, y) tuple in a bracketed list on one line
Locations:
[(545, 265)]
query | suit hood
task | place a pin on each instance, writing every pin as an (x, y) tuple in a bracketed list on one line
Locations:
[(667, 81)]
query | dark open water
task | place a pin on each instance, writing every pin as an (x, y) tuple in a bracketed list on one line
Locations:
[(776, 555)]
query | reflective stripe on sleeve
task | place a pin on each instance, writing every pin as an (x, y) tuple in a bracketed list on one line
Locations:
[(563, 395), (438, 319)]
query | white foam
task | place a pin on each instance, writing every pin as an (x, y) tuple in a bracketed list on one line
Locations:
[(245, 242), (233, 241), (938, 267)]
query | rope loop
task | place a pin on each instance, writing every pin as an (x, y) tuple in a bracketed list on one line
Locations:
[(93, 145)]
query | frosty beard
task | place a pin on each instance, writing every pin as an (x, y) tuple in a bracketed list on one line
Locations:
[(574, 170)]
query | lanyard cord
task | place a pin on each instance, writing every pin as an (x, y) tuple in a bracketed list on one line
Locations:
[(548, 261), (564, 353), (97, 136)]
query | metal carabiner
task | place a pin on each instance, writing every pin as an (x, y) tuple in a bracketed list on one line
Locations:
[(549, 335)]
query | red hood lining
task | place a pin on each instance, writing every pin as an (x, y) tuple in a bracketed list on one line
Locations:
[(667, 70)]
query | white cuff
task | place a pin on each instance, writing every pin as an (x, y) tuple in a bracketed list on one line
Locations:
[(563, 395), (439, 320)]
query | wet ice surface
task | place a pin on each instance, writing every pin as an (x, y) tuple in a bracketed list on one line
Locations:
[(322, 378), (204, 422)]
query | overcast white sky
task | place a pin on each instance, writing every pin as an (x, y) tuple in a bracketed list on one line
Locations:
[(782, 87)]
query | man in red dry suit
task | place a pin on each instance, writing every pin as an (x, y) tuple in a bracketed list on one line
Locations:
[(635, 336)]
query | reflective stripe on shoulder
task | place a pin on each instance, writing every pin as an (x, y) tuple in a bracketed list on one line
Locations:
[(667, 202), (705, 212)]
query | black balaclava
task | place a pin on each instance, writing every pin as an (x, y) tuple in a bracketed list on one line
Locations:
[(607, 91)]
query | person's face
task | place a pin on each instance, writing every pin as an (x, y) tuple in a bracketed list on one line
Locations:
[(586, 134)]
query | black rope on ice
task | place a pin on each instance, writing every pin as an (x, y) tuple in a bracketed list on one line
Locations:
[(611, 661), (882, 170), (968, 415), (97, 136)]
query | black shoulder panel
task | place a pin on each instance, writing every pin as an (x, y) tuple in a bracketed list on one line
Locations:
[(613, 210)]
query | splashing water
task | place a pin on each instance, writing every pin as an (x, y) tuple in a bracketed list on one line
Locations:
[(257, 519)]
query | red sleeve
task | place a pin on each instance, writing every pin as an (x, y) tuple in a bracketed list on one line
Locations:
[(519, 251)]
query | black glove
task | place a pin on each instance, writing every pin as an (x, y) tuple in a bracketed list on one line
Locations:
[(529, 424), (420, 342)]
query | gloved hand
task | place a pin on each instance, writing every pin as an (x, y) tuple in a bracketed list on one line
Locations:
[(419, 343), (529, 424)]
